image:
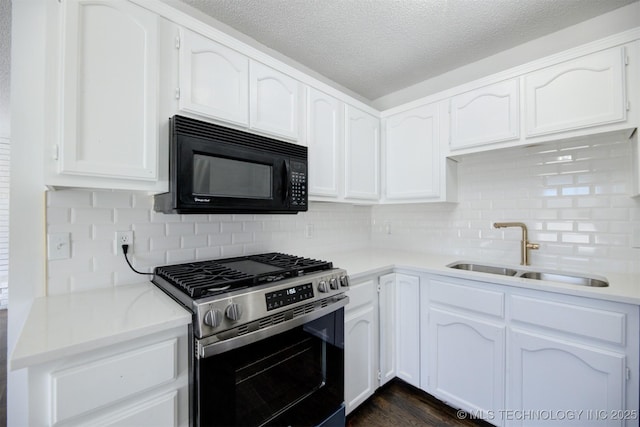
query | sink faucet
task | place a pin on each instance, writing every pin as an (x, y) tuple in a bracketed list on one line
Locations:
[(525, 244)]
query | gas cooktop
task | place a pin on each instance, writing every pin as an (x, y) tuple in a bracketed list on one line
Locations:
[(208, 278)]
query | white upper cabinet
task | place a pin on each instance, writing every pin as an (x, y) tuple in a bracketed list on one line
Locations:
[(214, 80), (583, 92), (274, 101), (362, 151), (486, 115), (109, 92), (411, 153), (324, 140)]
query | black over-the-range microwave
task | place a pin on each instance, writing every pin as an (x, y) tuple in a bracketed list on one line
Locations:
[(215, 169)]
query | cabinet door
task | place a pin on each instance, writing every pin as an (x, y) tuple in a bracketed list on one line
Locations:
[(324, 125), (485, 115), (274, 101), (362, 148), (359, 357), (584, 92), (408, 328), (411, 154), (556, 375), (387, 322), (109, 91), (214, 80), (466, 361)]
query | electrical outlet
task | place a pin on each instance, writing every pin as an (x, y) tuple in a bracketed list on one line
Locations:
[(387, 227), (124, 238), (58, 246), (308, 231)]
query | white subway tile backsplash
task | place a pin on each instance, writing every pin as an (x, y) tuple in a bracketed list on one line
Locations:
[(573, 196)]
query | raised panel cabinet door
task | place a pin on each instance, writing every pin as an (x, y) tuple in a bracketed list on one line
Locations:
[(467, 362), (324, 140), (486, 115), (362, 155), (359, 357), (408, 328), (583, 92), (109, 90), (411, 154), (556, 375), (273, 101), (214, 80), (387, 322)]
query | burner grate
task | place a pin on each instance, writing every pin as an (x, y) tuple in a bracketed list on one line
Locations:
[(202, 278)]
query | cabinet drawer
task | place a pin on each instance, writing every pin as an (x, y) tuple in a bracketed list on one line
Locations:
[(467, 297), (361, 294), (84, 388), (578, 320)]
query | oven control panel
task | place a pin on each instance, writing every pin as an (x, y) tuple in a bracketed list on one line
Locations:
[(288, 296)]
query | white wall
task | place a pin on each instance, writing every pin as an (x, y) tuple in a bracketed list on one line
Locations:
[(93, 217), (5, 67), (573, 196), (27, 208), (614, 22)]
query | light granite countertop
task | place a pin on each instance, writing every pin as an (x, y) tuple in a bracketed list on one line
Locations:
[(64, 325), (362, 263), (60, 326)]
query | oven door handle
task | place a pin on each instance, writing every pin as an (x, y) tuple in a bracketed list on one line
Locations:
[(211, 346)]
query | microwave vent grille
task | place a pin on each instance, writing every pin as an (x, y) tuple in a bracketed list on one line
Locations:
[(198, 129)]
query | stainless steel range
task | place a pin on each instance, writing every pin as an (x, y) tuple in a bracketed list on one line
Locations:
[(268, 338)]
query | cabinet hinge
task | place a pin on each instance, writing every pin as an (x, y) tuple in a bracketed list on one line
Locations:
[(628, 374), (379, 288), (177, 93), (628, 105), (55, 153), (379, 376), (177, 42)]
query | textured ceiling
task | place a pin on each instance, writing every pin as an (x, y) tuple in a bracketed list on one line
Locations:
[(375, 47)]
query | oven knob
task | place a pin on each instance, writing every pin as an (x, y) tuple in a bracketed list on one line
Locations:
[(333, 283), (233, 312), (213, 318), (322, 286), (344, 280)]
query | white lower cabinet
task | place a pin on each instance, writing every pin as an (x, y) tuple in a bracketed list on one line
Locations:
[(141, 383), (464, 345), (466, 362), (407, 328), (360, 344), (386, 316), (508, 355), (555, 375)]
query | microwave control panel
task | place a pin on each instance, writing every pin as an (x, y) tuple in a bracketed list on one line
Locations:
[(298, 184)]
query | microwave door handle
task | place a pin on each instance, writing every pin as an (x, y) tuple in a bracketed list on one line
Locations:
[(286, 181)]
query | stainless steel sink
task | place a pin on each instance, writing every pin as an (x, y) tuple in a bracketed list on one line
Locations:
[(552, 276), (483, 268), (565, 278)]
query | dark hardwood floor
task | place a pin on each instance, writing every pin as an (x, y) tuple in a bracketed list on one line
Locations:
[(400, 404)]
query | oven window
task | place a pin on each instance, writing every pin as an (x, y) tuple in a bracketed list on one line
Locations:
[(294, 378), (221, 177)]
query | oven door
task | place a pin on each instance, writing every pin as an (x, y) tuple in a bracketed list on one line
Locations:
[(295, 377)]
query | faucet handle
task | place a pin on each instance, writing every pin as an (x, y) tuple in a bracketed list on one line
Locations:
[(533, 245)]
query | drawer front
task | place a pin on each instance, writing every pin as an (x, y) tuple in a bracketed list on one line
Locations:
[(361, 294), (87, 387), (467, 297), (588, 322)]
